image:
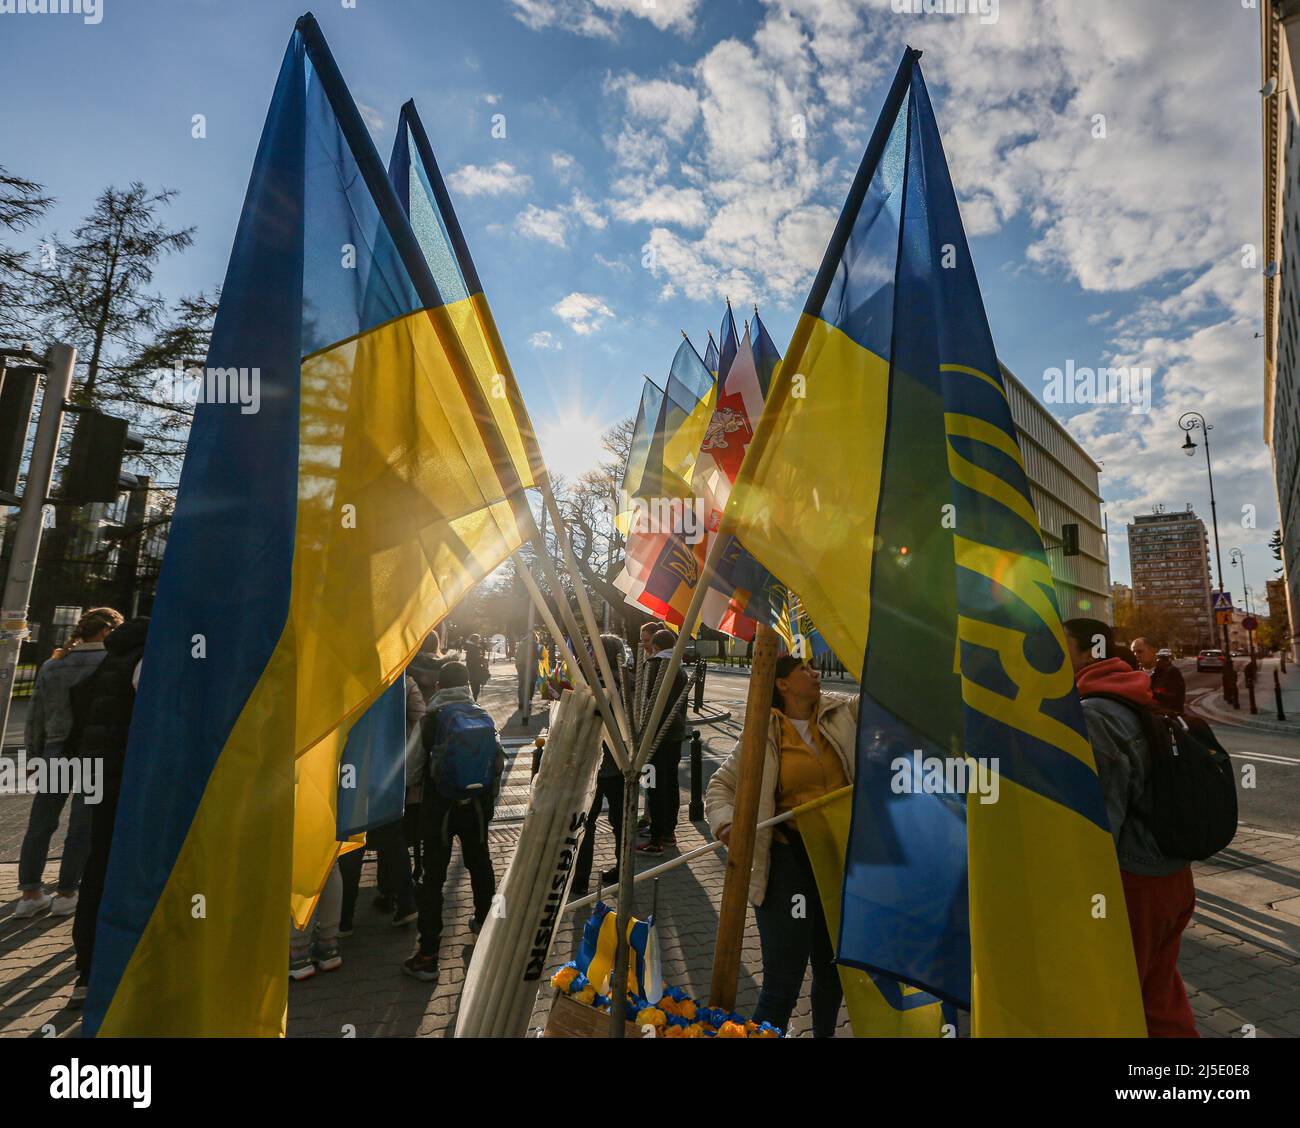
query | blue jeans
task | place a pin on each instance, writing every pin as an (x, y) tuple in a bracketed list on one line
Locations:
[(42, 822), (788, 942)]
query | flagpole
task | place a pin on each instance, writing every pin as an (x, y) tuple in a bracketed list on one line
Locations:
[(584, 602), (744, 822), (618, 748)]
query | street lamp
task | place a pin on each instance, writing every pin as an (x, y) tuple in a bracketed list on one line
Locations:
[(1190, 421), (1239, 561)]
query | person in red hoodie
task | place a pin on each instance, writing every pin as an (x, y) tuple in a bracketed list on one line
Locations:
[(1157, 889)]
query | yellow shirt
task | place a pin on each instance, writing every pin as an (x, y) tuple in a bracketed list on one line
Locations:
[(807, 772)]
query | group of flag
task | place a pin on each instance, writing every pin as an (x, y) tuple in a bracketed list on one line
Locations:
[(316, 543), (688, 444)]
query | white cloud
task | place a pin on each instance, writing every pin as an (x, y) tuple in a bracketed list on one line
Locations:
[(372, 117), (583, 313), (563, 164), (499, 179), (546, 340), (546, 225), (600, 18), (553, 225)]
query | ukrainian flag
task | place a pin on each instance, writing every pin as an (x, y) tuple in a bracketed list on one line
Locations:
[(885, 485), (314, 545)]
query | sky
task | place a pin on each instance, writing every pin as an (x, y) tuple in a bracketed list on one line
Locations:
[(621, 167)]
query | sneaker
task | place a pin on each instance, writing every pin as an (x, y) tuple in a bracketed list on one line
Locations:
[(423, 968), (610, 876), (403, 917), (63, 906), (80, 990), (651, 847), (385, 904), (345, 929), (301, 967), (29, 906), (326, 956), (670, 840), (643, 831)]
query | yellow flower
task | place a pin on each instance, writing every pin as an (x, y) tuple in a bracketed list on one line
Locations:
[(731, 1030), (562, 978), (650, 1016), (695, 1030), (687, 1009), (585, 996)]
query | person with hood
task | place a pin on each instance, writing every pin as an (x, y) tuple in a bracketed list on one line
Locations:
[(49, 723), (1157, 889), (1167, 684), (442, 818), (811, 741), (609, 789), (101, 722)]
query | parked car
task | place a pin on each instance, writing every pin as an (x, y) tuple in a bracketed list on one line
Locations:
[(1165, 652), (1210, 660)]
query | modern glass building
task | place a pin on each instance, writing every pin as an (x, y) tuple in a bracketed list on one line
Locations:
[(1280, 264)]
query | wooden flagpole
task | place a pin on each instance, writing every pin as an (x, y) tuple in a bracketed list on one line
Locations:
[(744, 822)]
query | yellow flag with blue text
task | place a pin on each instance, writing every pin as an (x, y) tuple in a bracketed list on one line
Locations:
[(885, 485)]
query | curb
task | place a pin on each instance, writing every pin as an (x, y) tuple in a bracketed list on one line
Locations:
[(1243, 719)]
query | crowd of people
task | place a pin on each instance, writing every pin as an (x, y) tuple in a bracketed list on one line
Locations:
[(454, 766)]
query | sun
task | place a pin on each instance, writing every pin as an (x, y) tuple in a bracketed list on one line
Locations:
[(571, 443)]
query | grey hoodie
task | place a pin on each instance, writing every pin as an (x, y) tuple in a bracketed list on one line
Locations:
[(1121, 750)]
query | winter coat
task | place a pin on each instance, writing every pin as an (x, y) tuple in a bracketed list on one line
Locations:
[(837, 721), (424, 736), (102, 704), (49, 718), (1167, 686), (415, 757), (1120, 749)]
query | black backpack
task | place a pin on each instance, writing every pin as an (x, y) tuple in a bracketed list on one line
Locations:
[(1190, 800)]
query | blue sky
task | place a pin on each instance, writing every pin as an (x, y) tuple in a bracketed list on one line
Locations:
[(671, 124)]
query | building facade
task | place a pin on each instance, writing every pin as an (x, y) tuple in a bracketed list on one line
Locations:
[(1280, 46), (1064, 482), (1170, 560), (1277, 609)]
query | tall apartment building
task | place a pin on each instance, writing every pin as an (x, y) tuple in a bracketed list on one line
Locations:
[(1064, 483), (1280, 264), (1170, 560)]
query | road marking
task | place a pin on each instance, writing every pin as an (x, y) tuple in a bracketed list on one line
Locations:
[(1265, 757)]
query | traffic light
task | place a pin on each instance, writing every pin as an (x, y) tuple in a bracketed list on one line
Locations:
[(1069, 540), (94, 467)]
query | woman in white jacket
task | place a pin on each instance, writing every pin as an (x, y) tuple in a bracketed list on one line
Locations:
[(810, 748)]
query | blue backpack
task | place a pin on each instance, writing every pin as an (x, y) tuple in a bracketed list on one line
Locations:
[(463, 756)]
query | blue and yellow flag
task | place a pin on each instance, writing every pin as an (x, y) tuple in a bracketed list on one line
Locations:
[(728, 343), (766, 356), (595, 956), (878, 1006), (711, 356), (315, 543), (885, 485)]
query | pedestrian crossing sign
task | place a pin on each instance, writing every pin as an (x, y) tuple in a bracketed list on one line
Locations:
[(1222, 600)]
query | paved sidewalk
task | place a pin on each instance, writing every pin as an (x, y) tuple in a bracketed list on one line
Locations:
[(1210, 703), (1241, 954)]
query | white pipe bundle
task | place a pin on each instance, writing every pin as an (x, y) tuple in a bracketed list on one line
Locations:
[(514, 947)]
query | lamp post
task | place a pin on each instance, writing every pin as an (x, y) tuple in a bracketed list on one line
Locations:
[(1190, 421), (1239, 561)]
